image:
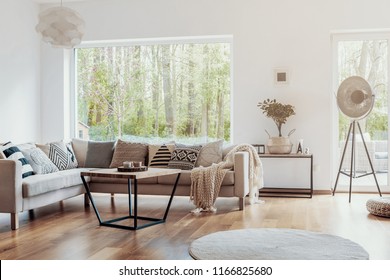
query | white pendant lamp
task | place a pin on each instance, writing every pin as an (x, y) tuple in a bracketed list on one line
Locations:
[(61, 27)]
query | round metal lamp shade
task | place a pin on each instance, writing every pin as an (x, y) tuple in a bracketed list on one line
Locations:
[(355, 98)]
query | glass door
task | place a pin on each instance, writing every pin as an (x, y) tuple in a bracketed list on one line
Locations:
[(368, 59)]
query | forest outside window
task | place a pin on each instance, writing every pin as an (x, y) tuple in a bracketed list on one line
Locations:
[(154, 92)]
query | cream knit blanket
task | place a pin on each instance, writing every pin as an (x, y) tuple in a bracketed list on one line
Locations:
[(206, 181)]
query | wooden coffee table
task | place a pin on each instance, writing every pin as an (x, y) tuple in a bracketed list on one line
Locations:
[(133, 211)]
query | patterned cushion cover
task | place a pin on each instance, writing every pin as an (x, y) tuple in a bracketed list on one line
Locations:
[(160, 155), (379, 206), (39, 161), (128, 151), (10, 151), (184, 157), (61, 154)]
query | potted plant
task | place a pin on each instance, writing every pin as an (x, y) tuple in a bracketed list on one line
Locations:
[(279, 113)]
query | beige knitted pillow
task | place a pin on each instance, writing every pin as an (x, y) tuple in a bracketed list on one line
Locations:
[(128, 151)]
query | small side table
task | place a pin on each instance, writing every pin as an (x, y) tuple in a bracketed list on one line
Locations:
[(289, 192)]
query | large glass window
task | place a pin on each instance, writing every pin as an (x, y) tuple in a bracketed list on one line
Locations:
[(368, 59), (154, 92)]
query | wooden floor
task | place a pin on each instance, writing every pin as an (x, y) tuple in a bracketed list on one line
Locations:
[(67, 230)]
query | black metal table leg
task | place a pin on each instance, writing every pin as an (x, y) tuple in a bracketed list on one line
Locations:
[(133, 211), (86, 186)]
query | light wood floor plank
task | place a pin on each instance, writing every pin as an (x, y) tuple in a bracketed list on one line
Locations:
[(70, 231)]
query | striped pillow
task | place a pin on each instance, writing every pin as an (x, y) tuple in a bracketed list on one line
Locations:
[(10, 151), (160, 155)]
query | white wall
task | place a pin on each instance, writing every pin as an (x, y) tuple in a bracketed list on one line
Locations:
[(19, 72), (267, 35)]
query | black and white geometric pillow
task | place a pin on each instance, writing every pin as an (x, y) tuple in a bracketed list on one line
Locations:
[(10, 151), (184, 157), (62, 155), (71, 156)]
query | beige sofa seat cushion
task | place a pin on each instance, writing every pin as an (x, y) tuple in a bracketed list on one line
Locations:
[(185, 178), (43, 183), (114, 181)]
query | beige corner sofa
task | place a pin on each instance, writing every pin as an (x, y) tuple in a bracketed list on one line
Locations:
[(19, 194)]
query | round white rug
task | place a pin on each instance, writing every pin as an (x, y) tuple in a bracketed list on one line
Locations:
[(275, 244)]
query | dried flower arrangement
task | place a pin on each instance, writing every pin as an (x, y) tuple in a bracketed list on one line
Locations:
[(278, 112)]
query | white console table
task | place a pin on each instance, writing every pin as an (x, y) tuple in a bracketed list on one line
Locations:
[(289, 192)]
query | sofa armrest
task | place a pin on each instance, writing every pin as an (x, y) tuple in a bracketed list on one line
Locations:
[(11, 186), (241, 174)]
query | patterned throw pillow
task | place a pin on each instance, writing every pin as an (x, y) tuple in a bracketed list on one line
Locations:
[(128, 151), (39, 161), (10, 151), (62, 155), (184, 157), (210, 153), (160, 155)]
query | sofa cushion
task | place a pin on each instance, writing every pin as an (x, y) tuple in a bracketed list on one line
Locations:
[(44, 147), (80, 148), (380, 155), (2, 156), (26, 146), (62, 155), (184, 157), (128, 151), (210, 153), (160, 155), (43, 183), (185, 178), (227, 149), (10, 151), (39, 161), (99, 154)]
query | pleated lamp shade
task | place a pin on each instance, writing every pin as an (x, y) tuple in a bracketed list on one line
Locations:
[(61, 27)]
